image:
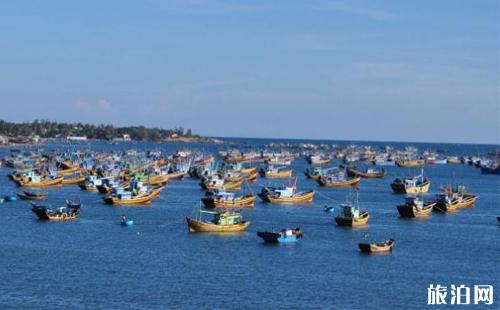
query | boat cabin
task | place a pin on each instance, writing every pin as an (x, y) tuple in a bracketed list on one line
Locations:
[(347, 210), (228, 218)]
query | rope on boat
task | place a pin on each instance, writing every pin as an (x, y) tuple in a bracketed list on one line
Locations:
[(325, 196)]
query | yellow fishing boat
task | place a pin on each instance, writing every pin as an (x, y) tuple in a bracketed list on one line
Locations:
[(222, 222), (453, 199), (416, 185), (286, 194), (155, 180), (410, 163), (350, 214), (369, 173), (71, 180), (318, 160), (130, 198), (222, 199), (250, 170), (415, 207), (38, 181), (213, 184), (251, 177), (68, 170), (273, 172), (334, 181), (176, 175)]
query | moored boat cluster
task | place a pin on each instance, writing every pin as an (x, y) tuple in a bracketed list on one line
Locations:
[(133, 178)]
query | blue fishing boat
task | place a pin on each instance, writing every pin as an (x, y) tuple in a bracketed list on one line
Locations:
[(285, 235)]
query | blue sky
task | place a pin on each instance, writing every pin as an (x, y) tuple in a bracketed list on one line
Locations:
[(362, 70)]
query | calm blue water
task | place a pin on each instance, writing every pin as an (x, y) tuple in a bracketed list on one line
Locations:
[(94, 263)]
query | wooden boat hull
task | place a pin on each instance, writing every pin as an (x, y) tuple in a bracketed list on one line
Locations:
[(304, 197), (47, 215), (351, 222), (320, 162), (247, 201), (312, 176), (277, 175), (227, 186), (200, 226), (400, 188), (68, 170), (24, 196), (158, 180), (447, 207), (87, 187), (250, 170), (366, 175), (51, 182), (376, 247), (73, 181), (176, 175), (410, 211), (146, 199), (350, 182), (410, 163)]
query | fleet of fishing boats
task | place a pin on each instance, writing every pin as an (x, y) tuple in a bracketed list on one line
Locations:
[(135, 178)]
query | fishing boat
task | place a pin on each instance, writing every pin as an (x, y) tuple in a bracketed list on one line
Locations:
[(34, 180), (29, 195), (380, 247), (226, 221), (410, 163), (66, 213), (350, 214), (66, 169), (317, 172), (490, 168), (369, 173), (232, 176), (177, 175), (416, 185), (276, 172), (109, 184), (139, 195), (339, 179), (416, 207), (281, 161), (318, 160), (454, 198), (285, 235), (218, 183), (223, 199), (155, 180), (71, 179), (91, 182), (286, 194)]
